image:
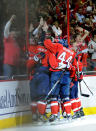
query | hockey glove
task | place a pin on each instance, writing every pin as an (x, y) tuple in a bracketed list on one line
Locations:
[(36, 58), (58, 32), (80, 77), (42, 54)]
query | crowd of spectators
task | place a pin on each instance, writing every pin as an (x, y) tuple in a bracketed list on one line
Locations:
[(54, 12), (82, 14)]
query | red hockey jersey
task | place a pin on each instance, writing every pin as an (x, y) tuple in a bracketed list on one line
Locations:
[(59, 55)]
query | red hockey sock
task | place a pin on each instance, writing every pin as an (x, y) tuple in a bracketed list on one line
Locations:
[(67, 106), (33, 106), (63, 109), (74, 105), (54, 107), (79, 103), (41, 107)]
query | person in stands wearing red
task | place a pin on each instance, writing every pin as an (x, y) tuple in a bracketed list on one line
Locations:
[(11, 50), (79, 44), (59, 58)]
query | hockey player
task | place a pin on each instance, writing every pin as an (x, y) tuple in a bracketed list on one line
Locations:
[(59, 58), (39, 85), (33, 45), (32, 50), (77, 76), (58, 36)]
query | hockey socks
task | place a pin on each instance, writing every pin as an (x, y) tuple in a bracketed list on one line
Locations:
[(78, 103), (54, 107), (33, 106), (74, 105), (67, 108), (41, 107)]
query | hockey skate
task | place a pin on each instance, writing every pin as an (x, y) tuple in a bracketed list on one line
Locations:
[(81, 112), (43, 118), (40, 120), (76, 115), (34, 117), (53, 118), (68, 117), (64, 115)]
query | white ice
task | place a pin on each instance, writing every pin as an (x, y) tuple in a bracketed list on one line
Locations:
[(88, 123)]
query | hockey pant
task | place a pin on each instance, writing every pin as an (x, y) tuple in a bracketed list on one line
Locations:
[(62, 90), (39, 86)]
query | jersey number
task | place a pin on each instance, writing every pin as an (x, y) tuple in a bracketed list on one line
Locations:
[(62, 58)]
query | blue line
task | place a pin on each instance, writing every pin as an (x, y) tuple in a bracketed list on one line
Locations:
[(13, 112)]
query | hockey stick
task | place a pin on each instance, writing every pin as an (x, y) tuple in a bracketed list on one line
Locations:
[(80, 52), (54, 86), (85, 95), (87, 87), (82, 94)]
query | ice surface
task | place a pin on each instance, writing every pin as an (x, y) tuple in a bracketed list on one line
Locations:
[(88, 123)]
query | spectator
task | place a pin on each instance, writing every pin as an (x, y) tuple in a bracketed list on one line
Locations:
[(79, 16), (11, 50), (92, 50), (80, 44)]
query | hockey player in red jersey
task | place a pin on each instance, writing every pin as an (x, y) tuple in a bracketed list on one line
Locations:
[(32, 51), (39, 85), (33, 47), (59, 58), (77, 76)]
